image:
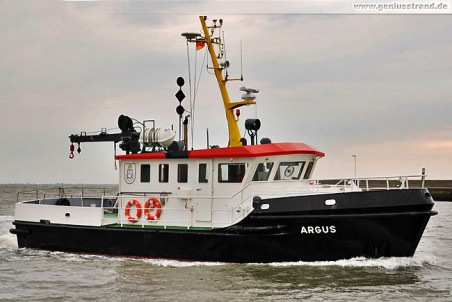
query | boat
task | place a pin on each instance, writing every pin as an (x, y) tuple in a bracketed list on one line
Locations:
[(247, 202)]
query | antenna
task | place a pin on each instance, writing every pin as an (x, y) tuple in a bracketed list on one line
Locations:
[(225, 65), (241, 61)]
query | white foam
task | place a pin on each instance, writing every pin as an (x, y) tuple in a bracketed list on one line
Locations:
[(387, 263), (8, 241), (74, 257), (6, 218), (180, 263), (157, 262)]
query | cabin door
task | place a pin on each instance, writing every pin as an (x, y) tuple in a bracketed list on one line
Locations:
[(202, 200)]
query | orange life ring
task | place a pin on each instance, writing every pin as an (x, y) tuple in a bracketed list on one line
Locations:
[(137, 204), (148, 207)]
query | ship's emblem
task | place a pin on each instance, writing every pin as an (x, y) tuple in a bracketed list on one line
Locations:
[(129, 173)]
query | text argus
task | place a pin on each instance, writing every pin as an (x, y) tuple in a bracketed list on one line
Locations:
[(318, 229)]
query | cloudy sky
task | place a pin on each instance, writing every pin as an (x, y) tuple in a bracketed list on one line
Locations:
[(374, 85)]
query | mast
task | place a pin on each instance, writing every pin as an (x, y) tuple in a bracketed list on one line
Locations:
[(234, 132)]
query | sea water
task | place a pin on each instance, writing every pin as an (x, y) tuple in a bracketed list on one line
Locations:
[(31, 275)]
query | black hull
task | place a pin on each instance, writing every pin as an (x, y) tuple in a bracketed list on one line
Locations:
[(276, 236)]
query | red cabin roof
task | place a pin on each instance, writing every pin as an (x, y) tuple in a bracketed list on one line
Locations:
[(235, 152)]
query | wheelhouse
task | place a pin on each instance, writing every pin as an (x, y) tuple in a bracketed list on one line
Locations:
[(218, 168)]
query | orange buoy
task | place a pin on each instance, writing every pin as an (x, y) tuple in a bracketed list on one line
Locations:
[(151, 204), (137, 204)]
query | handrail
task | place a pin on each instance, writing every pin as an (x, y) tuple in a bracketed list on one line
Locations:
[(390, 182), (61, 192), (142, 198)]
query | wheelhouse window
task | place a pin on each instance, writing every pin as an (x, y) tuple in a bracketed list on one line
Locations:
[(308, 172), (231, 173), (263, 171), (163, 172), (145, 173), (202, 173), (182, 173), (289, 170)]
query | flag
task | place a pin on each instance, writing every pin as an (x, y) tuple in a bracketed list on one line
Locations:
[(200, 45)]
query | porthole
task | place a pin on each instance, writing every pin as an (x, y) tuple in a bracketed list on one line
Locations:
[(265, 206), (330, 202)]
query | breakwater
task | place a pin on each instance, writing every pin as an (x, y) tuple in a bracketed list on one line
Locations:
[(441, 190)]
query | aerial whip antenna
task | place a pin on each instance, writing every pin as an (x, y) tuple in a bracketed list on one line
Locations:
[(241, 61)]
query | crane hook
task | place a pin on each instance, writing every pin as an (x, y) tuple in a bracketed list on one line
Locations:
[(71, 149)]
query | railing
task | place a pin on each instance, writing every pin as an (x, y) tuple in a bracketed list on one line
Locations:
[(183, 216), (120, 206), (376, 183), (63, 192)]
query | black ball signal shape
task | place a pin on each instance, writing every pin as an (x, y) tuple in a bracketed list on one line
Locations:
[(180, 110), (180, 81), (180, 96)]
